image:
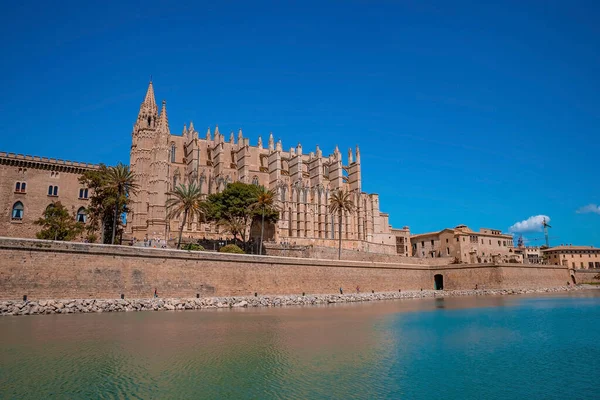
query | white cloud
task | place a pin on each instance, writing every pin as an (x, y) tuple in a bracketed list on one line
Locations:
[(590, 208), (531, 224)]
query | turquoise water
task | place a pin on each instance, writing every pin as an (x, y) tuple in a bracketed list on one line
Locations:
[(460, 348)]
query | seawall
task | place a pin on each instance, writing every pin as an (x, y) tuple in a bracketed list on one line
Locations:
[(52, 270)]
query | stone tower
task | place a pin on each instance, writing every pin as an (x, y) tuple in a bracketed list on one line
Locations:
[(141, 156), (159, 176)]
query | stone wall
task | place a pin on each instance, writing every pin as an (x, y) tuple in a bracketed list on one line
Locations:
[(331, 253), (45, 269), (586, 275)]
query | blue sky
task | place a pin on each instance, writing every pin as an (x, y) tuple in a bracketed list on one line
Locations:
[(482, 114)]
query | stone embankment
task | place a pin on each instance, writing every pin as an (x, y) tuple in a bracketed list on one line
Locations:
[(159, 304)]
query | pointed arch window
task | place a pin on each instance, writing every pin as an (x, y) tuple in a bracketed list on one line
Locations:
[(83, 193), (52, 190), (172, 152), (255, 181), (81, 215), (17, 211)]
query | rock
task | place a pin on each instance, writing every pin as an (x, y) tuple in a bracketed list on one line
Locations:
[(241, 304)]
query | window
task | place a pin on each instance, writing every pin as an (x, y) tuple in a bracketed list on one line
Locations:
[(582, 264), (597, 264), (446, 240), (422, 243), (81, 215), (447, 251), (590, 264), (255, 181), (20, 187), (173, 153), (503, 243), (573, 265), (52, 190), (83, 193), (432, 242), (458, 239), (17, 211)]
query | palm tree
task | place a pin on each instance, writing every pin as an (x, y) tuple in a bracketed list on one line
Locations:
[(265, 202), (187, 200), (338, 203), (123, 181)]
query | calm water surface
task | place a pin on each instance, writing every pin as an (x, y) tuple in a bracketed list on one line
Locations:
[(460, 348)]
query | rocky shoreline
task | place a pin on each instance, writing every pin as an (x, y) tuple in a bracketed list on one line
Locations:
[(73, 306)]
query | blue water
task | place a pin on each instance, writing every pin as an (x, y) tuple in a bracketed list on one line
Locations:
[(460, 348)]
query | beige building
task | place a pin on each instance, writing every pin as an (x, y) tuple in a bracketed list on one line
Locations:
[(576, 257), (29, 184), (463, 245), (303, 182), (402, 238)]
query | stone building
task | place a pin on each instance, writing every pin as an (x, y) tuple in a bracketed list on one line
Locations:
[(303, 182), (465, 246), (29, 184), (576, 257)]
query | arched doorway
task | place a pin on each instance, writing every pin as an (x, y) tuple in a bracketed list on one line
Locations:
[(573, 279), (438, 282)]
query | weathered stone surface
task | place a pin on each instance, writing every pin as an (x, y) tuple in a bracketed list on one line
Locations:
[(11, 307)]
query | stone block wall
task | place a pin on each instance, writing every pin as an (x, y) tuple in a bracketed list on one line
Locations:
[(45, 269)]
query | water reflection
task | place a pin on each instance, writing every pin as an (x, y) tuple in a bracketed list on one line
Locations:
[(363, 350)]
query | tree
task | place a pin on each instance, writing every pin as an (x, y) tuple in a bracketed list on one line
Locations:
[(233, 225), (123, 181), (264, 204), (232, 204), (102, 203), (186, 200), (58, 224), (340, 202)]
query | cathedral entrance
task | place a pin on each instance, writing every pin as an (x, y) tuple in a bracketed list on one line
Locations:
[(438, 282)]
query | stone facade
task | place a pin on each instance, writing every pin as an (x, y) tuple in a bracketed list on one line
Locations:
[(30, 184), (575, 257), (463, 245), (303, 182)]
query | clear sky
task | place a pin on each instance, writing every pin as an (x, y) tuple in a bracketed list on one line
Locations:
[(465, 113)]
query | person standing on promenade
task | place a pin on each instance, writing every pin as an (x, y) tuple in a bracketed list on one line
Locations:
[(341, 291), (155, 293)]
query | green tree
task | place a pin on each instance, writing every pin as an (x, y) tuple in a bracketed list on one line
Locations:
[(265, 205), (186, 200), (103, 200), (58, 224), (234, 204), (340, 202), (123, 182)]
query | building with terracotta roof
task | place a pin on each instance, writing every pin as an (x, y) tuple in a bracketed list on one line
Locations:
[(576, 257), (463, 245)]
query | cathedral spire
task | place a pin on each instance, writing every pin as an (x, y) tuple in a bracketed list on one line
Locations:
[(150, 100), (163, 120)]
